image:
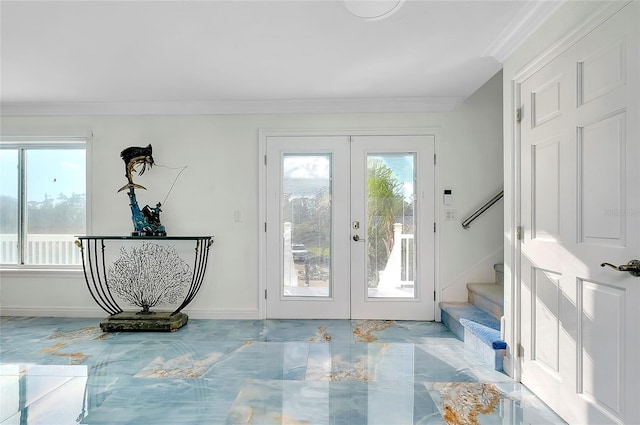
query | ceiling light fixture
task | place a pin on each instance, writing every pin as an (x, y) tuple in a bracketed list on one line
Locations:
[(372, 10)]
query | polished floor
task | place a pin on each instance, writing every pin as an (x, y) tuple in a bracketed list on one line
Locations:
[(59, 371)]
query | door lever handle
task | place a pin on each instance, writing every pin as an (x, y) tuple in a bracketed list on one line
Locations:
[(357, 238), (632, 267)]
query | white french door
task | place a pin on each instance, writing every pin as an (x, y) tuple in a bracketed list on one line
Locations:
[(307, 227), (580, 146), (392, 270), (350, 227)]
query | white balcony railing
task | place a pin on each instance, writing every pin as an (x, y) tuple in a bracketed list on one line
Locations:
[(400, 267), (41, 249)]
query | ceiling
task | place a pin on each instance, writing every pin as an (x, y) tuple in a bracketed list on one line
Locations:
[(154, 56)]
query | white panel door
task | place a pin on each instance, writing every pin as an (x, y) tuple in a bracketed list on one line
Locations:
[(580, 149), (350, 227)]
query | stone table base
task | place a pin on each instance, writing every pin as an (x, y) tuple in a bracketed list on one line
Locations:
[(156, 321)]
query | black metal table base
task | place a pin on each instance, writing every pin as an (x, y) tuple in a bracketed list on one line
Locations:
[(95, 274)]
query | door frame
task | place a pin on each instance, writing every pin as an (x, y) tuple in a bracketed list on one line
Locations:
[(264, 134), (512, 180)]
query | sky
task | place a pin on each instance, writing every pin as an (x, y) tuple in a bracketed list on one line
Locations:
[(316, 167), (49, 171)]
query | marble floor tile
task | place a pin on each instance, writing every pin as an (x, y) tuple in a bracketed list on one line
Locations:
[(325, 402), (489, 403), (398, 331), (308, 330), (59, 371)]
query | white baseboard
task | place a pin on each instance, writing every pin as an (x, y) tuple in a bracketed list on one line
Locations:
[(252, 314), (52, 312)]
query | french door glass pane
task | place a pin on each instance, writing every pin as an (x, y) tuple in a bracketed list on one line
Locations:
[(8, 206), (391, 263), (56, 205), (306, 224)]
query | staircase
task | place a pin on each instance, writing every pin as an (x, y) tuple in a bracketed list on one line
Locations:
[(477, 322)]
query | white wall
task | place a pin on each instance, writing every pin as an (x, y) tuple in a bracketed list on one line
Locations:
[(473, 147), (221, 152)]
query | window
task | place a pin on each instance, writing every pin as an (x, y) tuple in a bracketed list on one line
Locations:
[(43, 201)]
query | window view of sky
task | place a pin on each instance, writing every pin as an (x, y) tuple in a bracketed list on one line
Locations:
[(317, 167), (50, 172), (402, 167)]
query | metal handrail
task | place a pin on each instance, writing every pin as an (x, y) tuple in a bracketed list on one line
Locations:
[(482, 209)]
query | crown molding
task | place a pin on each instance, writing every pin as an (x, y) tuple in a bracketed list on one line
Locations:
[(244, 107), (525, 23), (600, 15)]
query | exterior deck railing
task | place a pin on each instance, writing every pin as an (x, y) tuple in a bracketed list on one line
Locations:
[(41, 249), (399, 270)]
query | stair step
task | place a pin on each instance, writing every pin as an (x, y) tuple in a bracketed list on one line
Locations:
[(479, 330), (488, 297), (458, 310)]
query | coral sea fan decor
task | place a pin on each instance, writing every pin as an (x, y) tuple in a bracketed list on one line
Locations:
[(149, 275)]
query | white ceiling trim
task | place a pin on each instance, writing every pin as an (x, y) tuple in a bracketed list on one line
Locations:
[(231, 107), (521, 27)]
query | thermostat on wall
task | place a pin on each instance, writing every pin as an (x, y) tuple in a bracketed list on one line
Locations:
[(448, 197)]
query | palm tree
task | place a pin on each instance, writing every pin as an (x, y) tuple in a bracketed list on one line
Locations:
[(385, 203)]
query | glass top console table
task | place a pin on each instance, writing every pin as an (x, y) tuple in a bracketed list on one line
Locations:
[(143, 276)]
